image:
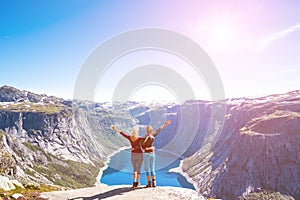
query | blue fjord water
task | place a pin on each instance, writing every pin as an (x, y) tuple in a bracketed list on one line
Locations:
[(119, 171)]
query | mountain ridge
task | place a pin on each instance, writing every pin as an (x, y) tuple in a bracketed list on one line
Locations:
[(51, 131), (52, 140)]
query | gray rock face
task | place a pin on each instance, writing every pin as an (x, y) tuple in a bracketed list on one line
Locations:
[(49, 140), (11, 94), (258, 149), (7, 162), (52, 142), (7, 185)]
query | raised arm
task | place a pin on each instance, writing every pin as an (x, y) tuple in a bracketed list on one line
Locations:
[(115, 129), (162, 127), (119, 131)]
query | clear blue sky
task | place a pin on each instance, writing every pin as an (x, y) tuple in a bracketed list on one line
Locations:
[(254, 44)]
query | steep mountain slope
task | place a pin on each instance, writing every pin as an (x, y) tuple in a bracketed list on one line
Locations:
[(255, 142), (190, 122), (50, 140), (259, 148)]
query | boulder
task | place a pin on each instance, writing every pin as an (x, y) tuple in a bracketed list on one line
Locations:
[(6, 184), (18, 196)]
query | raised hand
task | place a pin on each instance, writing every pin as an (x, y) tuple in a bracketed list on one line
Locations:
[(167, 123), (114, 128)]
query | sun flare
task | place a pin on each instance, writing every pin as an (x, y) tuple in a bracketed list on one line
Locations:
[(224, 35), (151, 93), (219, 35)]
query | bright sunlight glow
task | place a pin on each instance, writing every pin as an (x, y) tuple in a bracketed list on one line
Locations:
[(225, 35), (150, 93)]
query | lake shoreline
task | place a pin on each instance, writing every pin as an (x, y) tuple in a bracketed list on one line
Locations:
[(117, 176), (106, 164), (186, 176)]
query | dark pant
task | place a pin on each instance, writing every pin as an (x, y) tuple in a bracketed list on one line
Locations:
[(136, 160)]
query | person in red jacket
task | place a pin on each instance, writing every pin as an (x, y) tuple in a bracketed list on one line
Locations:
[(136, 154), (149, 154)]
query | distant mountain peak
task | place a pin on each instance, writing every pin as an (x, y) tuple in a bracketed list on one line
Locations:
[(11, 94)]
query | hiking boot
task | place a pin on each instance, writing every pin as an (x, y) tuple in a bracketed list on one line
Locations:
[(134, 184), (149, 184), (153, 183)]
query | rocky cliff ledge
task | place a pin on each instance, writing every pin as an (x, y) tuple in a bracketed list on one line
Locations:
[(121, 192)]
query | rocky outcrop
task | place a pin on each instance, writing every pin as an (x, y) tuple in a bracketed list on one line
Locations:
[(11, 94), (7, 162), (258, 149), (6, 184), (125, 192)]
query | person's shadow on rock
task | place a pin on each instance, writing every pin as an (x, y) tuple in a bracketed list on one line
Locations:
[(110, 193)]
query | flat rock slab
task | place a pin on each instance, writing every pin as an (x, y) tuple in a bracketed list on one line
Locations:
[(117, 192)]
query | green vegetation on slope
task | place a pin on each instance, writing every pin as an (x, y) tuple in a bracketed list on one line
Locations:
[(65, 172), (33, 107), (1, 135), (6, 160), (29, 192), (36, 148), (73, 174)]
